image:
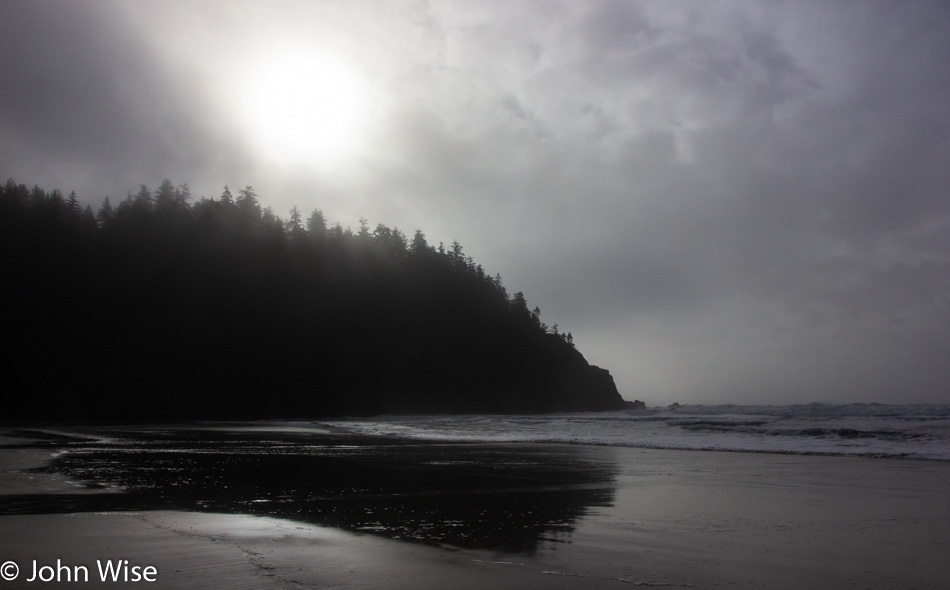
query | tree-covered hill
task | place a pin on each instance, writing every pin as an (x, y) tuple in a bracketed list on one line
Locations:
[(159, 308)]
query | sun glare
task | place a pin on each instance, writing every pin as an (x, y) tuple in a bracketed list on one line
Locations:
[(303, 106)]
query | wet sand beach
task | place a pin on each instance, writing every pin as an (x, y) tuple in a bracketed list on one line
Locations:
[(293, 509)]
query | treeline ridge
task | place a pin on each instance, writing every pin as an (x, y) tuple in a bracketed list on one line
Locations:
[(163, 308)]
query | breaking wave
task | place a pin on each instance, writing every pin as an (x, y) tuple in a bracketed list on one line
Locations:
[(873, 430)]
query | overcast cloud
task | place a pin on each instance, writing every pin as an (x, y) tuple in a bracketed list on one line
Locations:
[(722, 201)]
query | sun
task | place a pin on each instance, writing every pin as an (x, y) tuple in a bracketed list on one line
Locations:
[(300, 105)]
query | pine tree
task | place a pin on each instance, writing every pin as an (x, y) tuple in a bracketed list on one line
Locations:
[(142, 201), (72, 203), (182, 196), (165, 196), (295, 224), (419, 244), (317, 225), (248, 204)]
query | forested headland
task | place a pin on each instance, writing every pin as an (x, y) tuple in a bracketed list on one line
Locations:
[(163, 307)]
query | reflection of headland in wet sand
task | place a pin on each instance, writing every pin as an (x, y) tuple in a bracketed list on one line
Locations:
[(481, 496)]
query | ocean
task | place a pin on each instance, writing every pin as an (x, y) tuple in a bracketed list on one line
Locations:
[(580, 500), (869, 430)]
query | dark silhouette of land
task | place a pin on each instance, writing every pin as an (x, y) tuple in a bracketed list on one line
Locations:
[(159, 308)]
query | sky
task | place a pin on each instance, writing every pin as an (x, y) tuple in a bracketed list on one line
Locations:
[(723, 202)]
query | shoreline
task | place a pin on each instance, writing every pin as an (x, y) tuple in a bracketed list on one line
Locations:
[(699, 519), (208, 550), (870, 440)]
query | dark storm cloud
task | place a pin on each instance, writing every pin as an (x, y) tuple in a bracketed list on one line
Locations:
[(722, 201)]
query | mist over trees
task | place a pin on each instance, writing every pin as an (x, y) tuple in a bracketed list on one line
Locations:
[(163, 307)]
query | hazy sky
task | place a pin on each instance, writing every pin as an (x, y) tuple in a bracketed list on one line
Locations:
[(722, 201)]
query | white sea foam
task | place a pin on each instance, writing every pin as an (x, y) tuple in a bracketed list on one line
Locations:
[(915, 431)]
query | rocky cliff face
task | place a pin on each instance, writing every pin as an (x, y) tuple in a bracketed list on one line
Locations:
[(589, 388)]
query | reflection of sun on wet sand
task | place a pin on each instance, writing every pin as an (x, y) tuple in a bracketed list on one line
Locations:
[(194, 550), (631, 516)]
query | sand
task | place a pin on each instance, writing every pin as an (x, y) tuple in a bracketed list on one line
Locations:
[(661, 519)]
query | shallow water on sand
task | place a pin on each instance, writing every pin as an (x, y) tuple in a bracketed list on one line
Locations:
[(499, 497), (593, 514)]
